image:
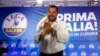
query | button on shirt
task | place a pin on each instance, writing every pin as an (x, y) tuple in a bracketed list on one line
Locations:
[(54, 44)]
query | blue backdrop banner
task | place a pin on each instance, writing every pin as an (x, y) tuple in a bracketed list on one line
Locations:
[(18, 26)]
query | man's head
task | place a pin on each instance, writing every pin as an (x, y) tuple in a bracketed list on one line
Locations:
[(52, 13), (1, 42)]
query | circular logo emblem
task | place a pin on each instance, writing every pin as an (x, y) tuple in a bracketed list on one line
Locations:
[(14, 24)]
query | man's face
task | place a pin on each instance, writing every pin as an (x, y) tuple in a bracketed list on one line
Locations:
[(52, 14)]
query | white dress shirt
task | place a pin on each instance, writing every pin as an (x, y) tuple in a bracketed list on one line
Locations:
[(51, 44)]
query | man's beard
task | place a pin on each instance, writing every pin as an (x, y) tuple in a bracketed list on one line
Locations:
[(52, 20)]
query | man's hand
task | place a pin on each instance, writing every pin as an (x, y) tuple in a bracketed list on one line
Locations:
[(53, 33), (49, 29), (42, 35)]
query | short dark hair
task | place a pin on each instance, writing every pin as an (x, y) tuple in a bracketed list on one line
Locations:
[(53, 6)]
